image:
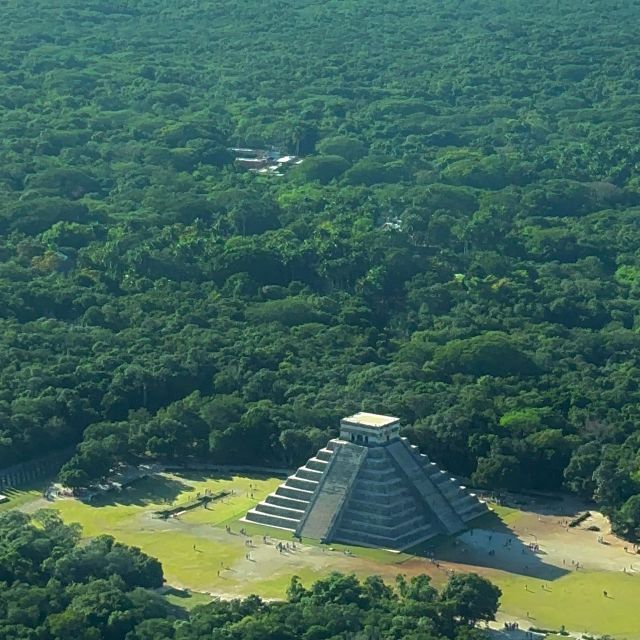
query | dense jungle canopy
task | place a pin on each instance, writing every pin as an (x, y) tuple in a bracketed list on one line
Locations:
[(460, 247)]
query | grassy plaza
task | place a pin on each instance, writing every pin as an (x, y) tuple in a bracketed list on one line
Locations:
[(201, 558)]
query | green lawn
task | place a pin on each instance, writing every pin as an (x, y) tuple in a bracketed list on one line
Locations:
[(508, 515), (187, 599), (22, 496), (576, 601), (275, 587), (189, 559)]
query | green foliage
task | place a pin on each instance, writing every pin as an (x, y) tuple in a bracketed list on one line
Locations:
[(459, 246), (500, 471), (322, 169), (627, 519), (351, 149), (492, 353), (471, 597), (56, 588), (370, 171)]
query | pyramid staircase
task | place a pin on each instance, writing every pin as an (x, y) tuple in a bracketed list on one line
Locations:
[(287, 505), (387, 496)]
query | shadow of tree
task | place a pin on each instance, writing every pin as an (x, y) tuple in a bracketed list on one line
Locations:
[(206, 476), (154, 489), (556, 504)]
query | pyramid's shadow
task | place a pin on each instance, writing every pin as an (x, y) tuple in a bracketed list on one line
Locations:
[(490, 543)]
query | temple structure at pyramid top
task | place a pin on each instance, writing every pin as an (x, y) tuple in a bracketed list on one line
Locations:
[(369, 487)]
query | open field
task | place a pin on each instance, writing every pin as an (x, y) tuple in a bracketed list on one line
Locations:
[(541, 587), (23, 496)]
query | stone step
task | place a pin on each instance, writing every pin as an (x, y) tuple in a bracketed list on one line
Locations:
[(380, 483), (350, 536), (337, 483), (390, 513), (365, 494), (271, 520), (378, 475), (409, 464), (301, 483), (324, 454), (289, 503), (477, 510), (316, 464), (390, 530), (276, 510), (463, 503), (375, 507), (333, 444), (446, 482), (294, 492), (376, 463), (461, 500), (308, 474)]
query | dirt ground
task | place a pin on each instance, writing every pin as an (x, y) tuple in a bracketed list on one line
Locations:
[(537, 541), (504, 544)]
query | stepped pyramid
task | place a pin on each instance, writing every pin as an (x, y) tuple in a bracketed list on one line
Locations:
[(369, 487)]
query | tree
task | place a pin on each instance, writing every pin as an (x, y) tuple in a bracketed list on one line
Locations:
[(626, 521), (369, 171), (297, 446), (498, 471), (296, 591), (153, 629), (351, 149), (471, 597), (337, 588), (323, 169), (420, 589), (493, 353), (579, 473)]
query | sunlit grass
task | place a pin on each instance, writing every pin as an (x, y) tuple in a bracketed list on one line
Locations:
[(576, 601), (22, 496), (187, 599)]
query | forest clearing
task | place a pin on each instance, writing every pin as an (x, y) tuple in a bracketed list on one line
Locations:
[(542, 588)]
